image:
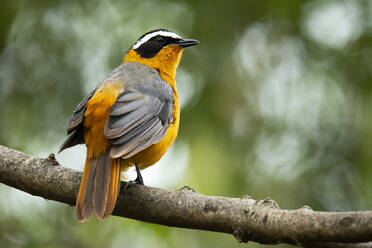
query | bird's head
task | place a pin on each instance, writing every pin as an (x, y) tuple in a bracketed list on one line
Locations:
[(160, 49)]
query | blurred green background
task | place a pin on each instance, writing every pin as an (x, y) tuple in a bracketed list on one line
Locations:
[(276, 101)]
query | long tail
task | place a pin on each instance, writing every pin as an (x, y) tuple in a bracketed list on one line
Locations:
[(99, 187)]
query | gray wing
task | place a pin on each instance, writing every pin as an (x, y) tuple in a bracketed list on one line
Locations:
[(75, 128), (139, 117)]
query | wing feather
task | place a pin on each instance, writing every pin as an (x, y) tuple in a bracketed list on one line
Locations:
[(143, 128), (139, 118), (77, 116), (137, 143), (74, 128), (126, 107), (121, 125), (129, 96)]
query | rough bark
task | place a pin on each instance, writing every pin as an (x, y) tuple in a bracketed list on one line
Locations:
[(247, 219)]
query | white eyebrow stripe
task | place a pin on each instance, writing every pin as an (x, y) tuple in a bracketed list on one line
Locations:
[(151, 35)]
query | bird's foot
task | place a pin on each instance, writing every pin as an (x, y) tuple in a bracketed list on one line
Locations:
[(138, 180)]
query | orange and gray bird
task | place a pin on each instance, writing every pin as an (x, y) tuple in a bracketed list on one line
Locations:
[(130, 119)]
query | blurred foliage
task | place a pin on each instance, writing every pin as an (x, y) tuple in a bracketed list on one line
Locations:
[(276, 101)]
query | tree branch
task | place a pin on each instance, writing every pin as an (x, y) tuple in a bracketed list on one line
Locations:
[(247, 219)]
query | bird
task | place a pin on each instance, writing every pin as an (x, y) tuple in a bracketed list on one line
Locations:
[(130, 119)]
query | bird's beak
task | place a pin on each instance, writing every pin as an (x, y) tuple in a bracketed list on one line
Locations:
[(187, 43)]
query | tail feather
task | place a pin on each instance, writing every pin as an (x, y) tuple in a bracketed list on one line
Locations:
[(99, 187), (84, 206), (101, 183), (113, 189)]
